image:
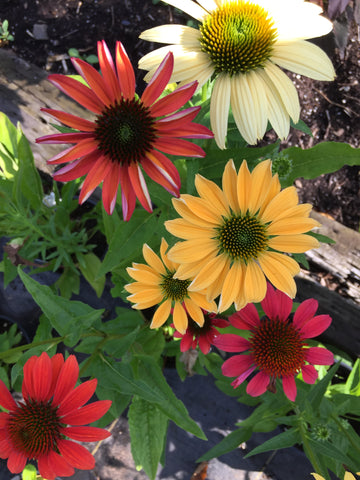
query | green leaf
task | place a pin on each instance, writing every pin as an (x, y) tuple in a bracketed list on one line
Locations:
[(227, 444), (317, 392), (327, 449), (285, 439), (69, 318), (353, 381), (148, 427), (149, 384), (89, 268), (8, 135), (326, 157), (8, 164)]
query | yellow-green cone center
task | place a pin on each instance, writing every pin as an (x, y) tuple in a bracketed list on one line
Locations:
[(242, 238), (238, 37), (173, 288)]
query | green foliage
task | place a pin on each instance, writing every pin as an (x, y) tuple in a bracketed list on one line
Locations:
[(5, 35)]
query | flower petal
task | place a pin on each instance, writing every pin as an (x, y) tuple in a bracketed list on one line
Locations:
[(125, 72), (309, 373), (180, 318), (258, 384), (219, 108), (161, 315), (6, 399), (76, 455), (305, 311), (276, 304), (237, 365), (85, 434), (160, 79), (88, 414), (289, 386), (246, 318), (77, 398), (319, 356), (229, 342), (67, 379), (315, 326)]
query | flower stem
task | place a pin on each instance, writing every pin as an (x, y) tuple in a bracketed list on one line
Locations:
[(308, 451)]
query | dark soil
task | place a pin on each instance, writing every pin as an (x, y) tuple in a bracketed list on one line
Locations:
[(45, 30)]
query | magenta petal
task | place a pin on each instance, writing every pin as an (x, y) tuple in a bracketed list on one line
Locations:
[(186, 342), (305, 311), (309, 373), (315, 326), (204, 344), (246, 318), (236, 365), (276, 304), (258, 385), (239, 380), (289, 387), (230, 342), (173, 101), (319, 356)]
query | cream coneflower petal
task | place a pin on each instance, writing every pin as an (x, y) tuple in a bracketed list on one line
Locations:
[(201, 71), (291, 225), (254, 283), (304, 58), (174, 34), (212, 194), (162, 314), (244, 185), (286, 90), (230, 288), (194, 311), (279, 269), (152, 259), (190, 250), (277, 114), (219, 108), (247, 102), (293, 243), (288, 197), (180, 318), (260, 180), (229, 185), (189, 7)]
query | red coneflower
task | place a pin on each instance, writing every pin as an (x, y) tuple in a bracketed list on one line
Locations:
[(37, 427), (203, 336), (276, 345), (127, 133)]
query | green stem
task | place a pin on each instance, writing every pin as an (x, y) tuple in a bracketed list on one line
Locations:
[(21, 348), (308, 451), (346, 433)]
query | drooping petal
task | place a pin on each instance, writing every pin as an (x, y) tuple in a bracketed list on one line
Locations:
[(309, 373), (180, 318), (254, 283), (194, 311), (57, 464), (237, 365), (96, 175), (159, 174), (219, 108), (315, 326), (289, 387), (125, 72), (157, 84), (77, 91), (280, 270), (139, 186), (76, 169), (258, 384), (230, 289), (128, 197), (161, 315), (319, 356), (110, 187), (16, 461), (229, 342), (76, 455)]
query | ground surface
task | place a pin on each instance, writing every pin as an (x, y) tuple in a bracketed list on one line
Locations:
[(45, 30)]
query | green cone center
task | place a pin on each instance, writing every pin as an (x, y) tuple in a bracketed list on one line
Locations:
[(173, 288), (238, 37), (277, 348), (242, 238), (125, 131), (34, 428)]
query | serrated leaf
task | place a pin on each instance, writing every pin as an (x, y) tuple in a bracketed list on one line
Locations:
[(227, 444), (285, 439), (148, 427), (317, 392), (327, 449)]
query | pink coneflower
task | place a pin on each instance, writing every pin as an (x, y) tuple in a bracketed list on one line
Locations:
[(276, 345), (127, 133), (37, 427), (203, 336)]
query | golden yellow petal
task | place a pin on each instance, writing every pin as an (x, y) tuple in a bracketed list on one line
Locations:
[(200, 300), (209, 273), (136, 287), (301, 210), (291, 225), (293, 243), (153, 260), (280, 270), (229, 185), (214, 196), (180, 318), (192, 250), (184, 211), (203, 209), (273, 190), (243, 187), (167, 262), (140, 266), (149, 296), (161, 314), (214, 290), (194, 311), (288, 197), (260, 181), (184, 229), (187, 271), (254, 283), (149, 278), (230, 289)]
